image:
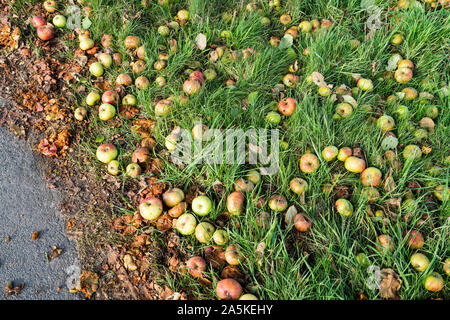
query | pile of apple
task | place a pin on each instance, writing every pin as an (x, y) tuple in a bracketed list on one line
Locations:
[(46, 31)]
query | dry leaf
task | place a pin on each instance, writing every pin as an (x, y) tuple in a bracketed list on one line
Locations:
[(389, 183), (290, 215), (390, 284)]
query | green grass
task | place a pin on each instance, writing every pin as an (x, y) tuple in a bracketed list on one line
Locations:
[(320, 264)]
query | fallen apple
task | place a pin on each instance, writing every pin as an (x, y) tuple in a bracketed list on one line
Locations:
[(59, 21), (278, 203), (183, 15), (419, 261), (243, 186), (142, 83), (365, 84), (201, 205), (129, 100), (384, 243), (162, 108), (151, 208), (92, 98), (412, 152), (344, 109), (273, 117), (371, 177), (385, 123), (96, 69), (45, 32), (434, 282), (106, 152), (107, 40), (228, 289), (354, 164), (410, 93), (111, 97), (132, 42), (233, 255), (285, 19), (86, 44), (446, 266), (397, 39), (204, 232), (298, 185), (302, 222), (50, 6), (344, 153), (113, 167), (344, 207), (173, 197), (248, 296), (38, 21), (106, 111), (80, 113), (403, 75), (220, 237), (324, 91), (186, 224), (191, 87), (196, 266), (235, 203), (105, 59), (309, 163), (414, 239), (253, 176), (287, 106), (330, 153), (133, 170)]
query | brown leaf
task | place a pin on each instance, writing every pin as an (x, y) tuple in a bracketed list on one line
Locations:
[(35, 235), (390, 284), (389, 183)]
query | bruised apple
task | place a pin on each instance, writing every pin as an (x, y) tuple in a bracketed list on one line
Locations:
[(414, 239), (173, 197), (287, 106), (233, 255), (132, 42), (344, 207), (298, 185), (302, 222), (186, 224), (204, 232), (191, 87), (371, 177), (278, 203), (45, 32), (354, 164)]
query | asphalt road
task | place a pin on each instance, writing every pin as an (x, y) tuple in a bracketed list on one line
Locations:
[(27, 205)]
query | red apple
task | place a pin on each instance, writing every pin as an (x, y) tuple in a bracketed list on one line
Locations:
[(196, 266), (434, 282), (302, 222), (132, 42), (191, 87), (287, 106), (45, 32), (414, 239), (228, 289), (38, 21), (198, 76), (371, 177), (111, 97)]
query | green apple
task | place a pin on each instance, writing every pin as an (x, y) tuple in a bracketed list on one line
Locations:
[(59, 21), (220, 237), (106, 111), (106, 152), (92, 98), (186, 224), (204, 232), (344, 207), (385, 123), (150, 208), (113, 167), (201, 205), (96, 69)]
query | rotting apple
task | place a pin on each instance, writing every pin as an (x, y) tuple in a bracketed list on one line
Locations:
[(159, 65), (278, 203), (330, 153), (235, 203), (371, 177), (142, 83), (354, 164), (365, 84), (132, 42), (309, 163), (177, 210), (243, 186), (162, 107), (133, 170), (151, 208), (396, 39), (124, 79), (173, 197), (410, 93), (160, 81), (204, 232), (370, 194), (384, 243), (107, 40), (344, 109), (343, 207), (305, 26), (183, 15), (198, 131), (287, 106), (141, 155), (198, 76), (254, 176), (405, 63), (50, 6), (45, 32), (137, 66), (80, 113), (412, 152), (163, 30), (419, 261), (290, 80), (129, 100), (285, 19), (106, 111), (302, 222), (106, 152), (403, 75), (228, 289), (201, 205), (324, 91), (414, 239), (298, 185)]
